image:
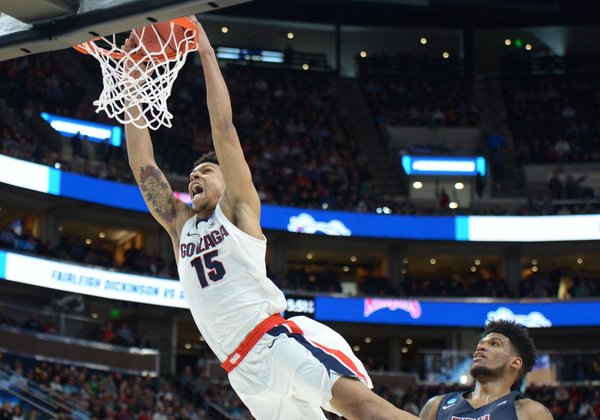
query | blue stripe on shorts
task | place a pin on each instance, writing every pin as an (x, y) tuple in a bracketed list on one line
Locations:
[(330, 362)]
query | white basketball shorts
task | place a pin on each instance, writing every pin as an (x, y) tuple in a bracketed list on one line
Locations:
[(289, 373)]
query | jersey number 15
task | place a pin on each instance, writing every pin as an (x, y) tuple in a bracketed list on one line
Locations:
[(210, 266)]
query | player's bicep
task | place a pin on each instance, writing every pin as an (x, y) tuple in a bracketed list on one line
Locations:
[(159, 198), (429, 410)]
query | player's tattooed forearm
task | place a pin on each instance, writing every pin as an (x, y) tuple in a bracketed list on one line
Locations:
[(157, 193)]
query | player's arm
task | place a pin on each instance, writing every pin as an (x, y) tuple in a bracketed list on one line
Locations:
[(430, 408), (169, 211), (240, 201), (532, 410)]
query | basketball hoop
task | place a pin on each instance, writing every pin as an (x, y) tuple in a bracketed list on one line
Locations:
[(162, 48)]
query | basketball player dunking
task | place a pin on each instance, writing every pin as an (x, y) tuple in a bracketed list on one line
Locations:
[(504, 355), (280, 369)]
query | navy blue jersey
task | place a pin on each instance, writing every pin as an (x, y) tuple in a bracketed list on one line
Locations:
[(454, 406)]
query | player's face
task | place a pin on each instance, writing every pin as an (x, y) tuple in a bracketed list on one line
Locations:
[(206, 186), (492, 357)]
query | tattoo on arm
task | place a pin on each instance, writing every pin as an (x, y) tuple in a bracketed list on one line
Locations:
[(424, 414), (157, 193), (528, 409)]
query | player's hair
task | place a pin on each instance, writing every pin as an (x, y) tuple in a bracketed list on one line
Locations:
[(519, 339), (207, 157)]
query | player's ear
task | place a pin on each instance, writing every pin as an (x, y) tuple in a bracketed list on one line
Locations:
[(516, 363)]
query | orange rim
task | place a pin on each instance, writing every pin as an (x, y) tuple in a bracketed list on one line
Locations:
[(183, 21)]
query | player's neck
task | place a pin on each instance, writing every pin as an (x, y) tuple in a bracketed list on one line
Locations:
[(486, 392)]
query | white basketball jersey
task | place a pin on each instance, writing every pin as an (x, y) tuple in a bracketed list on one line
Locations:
[(224, 279)]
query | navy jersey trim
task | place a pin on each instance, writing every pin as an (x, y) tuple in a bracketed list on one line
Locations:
[(330, 362)]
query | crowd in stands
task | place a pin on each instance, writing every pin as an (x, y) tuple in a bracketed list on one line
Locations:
[(422, 103), (193, 395), (553, 119)]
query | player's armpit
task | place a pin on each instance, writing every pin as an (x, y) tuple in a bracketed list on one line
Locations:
[(430, 408), (532, 410)]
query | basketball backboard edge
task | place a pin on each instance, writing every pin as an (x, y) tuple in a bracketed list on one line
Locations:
[(94, 18)]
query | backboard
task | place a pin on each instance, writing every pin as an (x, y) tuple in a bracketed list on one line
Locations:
[(35, 26)]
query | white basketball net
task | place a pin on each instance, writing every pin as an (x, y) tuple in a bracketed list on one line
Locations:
[(128, 84)]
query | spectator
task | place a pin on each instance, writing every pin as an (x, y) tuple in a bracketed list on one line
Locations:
[(107, 333), (123, 335), (17, 413), (50, 327), (6, 413), (444, 200), (32, 324)]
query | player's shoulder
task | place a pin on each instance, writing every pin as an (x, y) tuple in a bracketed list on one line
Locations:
[(430, 408), (527, 409)]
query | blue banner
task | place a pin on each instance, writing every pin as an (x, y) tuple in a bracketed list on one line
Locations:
[(456, 314), (96, 132)]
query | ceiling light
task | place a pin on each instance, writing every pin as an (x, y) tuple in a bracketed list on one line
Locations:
[(579, 260), (290, 35), (432, 261), (473, 269), (404, 349), (363, 54), (459, 185), (353, 258), (409, 341), (224, 29), (102, 234), (453, 205), (356, 348), (477, 261), (368, 340), (417, 185), (445, 55), (507, 42), (528, 47), (309, 256), (346, 269), (305, 66), (423, 41)]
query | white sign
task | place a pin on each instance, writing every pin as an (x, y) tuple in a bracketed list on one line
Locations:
[(93, 282), (534, 228), (305, 223), (532, 320)]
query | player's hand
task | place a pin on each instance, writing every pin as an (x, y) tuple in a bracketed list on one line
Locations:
[(203, 42), (135, 71)]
